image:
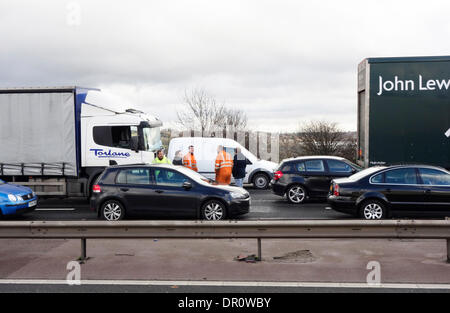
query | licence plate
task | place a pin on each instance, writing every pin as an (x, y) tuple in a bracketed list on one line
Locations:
[(32, 203)]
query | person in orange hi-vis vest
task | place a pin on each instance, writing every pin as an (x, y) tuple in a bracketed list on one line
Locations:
[(189, 160), (224, 166)]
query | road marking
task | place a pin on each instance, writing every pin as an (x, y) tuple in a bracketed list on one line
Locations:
[(271, 218), (226, 283), (55, 209), (328, 208)]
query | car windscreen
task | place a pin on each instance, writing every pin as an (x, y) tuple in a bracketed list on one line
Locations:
[(194, 175), (355, 166), (366, 172), (250, 156)]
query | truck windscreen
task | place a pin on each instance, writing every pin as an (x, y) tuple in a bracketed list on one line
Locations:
[(152, 138)]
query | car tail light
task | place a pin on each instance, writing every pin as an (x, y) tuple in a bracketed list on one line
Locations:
[(96, 189), (277, 175), (336, 190)]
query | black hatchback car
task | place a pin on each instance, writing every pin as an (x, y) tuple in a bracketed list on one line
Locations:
[(379, 192), (166, 190), (309, 177)]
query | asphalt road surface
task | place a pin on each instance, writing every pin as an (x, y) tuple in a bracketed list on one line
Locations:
[(265, 205), (99, 288)]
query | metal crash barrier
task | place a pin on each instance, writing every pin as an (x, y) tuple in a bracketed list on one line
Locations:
[(330, 229)]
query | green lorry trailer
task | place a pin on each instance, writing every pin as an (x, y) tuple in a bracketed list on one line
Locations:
[(404, 111)]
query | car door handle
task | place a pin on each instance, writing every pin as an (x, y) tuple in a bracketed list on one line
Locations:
[(159, 191), (124, 189), (427, 191)]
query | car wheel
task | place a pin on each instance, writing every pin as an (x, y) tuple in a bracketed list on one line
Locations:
[(373, 210), (214, 210), (261, 181), (296, 194), (112, 210)]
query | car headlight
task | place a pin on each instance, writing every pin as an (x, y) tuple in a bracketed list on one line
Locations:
[(238, 195), (12, 198)]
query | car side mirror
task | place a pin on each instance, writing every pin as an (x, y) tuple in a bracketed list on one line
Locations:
[(187, 185), (112, 162)]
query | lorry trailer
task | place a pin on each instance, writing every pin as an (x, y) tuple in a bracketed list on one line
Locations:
[(404, 111)]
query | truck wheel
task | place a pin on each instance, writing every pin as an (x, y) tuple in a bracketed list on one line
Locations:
[(373, 210), (112, 210), (261, 181), (214, 210), (296, 194)]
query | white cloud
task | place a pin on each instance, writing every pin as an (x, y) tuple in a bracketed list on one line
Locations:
[(283, 62)]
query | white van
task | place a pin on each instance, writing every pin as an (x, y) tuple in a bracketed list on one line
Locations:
[(259, 173)]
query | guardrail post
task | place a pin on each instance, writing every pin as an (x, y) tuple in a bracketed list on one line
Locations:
[(83, 256), (448, 243), (260, 252), (448, 250)]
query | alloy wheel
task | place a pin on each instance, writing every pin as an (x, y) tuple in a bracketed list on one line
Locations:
[(373, 211), (296, 194), (213, 211), (112, 211)]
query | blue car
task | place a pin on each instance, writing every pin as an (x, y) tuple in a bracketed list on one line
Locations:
[(15, 199)]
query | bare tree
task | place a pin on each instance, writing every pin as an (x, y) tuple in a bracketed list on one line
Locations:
[(200, 112), (289, 145), (349, 147), (320, 137), (325, 138), (204, 113), (235, 118)]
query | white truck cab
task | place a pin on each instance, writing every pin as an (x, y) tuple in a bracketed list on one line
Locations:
[(258, 173), (114, 134)]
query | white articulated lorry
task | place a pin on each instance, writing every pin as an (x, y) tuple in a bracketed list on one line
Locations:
[(57, 140)]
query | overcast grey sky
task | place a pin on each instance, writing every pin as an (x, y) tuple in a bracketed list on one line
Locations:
[(283, 62)]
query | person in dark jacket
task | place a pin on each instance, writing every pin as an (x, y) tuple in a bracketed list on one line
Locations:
[(178, 159), (239, 164)]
